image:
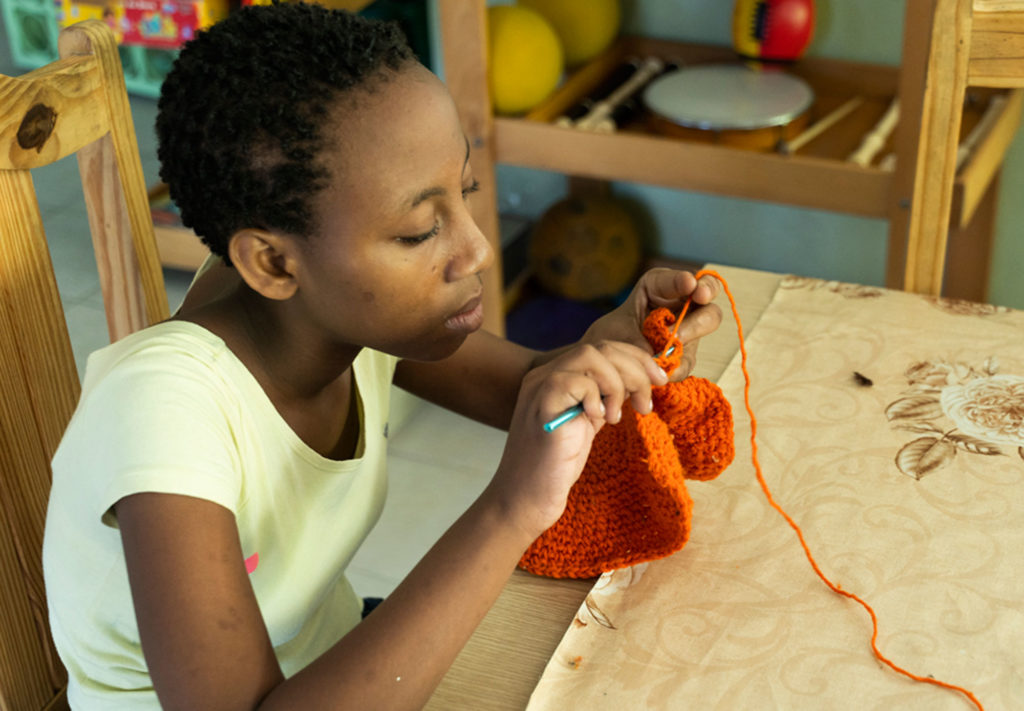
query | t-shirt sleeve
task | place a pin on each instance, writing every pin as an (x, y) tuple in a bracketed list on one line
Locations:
[(155, 424)]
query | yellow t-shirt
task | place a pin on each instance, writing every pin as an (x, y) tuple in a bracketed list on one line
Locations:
[(171, 409)]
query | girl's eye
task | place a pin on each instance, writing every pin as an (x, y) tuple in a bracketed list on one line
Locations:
[(417, 239)]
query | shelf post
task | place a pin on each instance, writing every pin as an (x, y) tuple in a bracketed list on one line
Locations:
[(933, 83)]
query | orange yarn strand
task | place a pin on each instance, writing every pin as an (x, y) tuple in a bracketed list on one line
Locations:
[(800, 535)]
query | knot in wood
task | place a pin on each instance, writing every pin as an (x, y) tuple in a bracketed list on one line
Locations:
[(36, 127)]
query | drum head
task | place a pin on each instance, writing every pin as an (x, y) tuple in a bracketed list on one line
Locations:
[(726, 97)]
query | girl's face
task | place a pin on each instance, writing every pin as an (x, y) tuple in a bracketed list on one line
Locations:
[(397, 259)]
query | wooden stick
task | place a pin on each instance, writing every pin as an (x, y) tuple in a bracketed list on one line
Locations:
[(819, 127), (875, 140), (621, 73), (603, 109), (965, 149), (995, 106)]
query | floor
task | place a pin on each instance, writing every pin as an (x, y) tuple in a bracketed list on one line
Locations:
[(439, 461)]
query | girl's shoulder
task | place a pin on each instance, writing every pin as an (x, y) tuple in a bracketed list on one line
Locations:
[(167, 347)]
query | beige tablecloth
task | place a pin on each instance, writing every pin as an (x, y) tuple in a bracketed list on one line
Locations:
[(891, 427)]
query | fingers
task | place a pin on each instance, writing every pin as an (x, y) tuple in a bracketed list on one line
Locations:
[(706, 290), (687, 363), (703, 317), (672, 288), (669, 288), (604, 376), (699, 322)]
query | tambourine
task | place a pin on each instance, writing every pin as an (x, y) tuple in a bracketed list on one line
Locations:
[(732, 104)]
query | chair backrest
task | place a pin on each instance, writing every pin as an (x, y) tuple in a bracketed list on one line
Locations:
[(950, 45), (76, 104)]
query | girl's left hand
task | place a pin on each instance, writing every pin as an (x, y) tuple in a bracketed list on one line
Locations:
[(670, 289)]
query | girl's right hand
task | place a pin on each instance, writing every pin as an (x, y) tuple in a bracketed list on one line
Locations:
[(538, 467)]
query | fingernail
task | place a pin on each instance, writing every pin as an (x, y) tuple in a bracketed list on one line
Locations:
[(604, 412)]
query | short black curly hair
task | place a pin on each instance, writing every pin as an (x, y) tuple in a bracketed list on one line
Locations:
[(241, 116)]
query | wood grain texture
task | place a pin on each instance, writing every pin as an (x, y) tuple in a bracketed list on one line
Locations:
[(72, 90), (997, 46), (39, 386), (935, 165)]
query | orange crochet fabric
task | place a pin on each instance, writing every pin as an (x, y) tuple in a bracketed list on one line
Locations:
[(630, 504)]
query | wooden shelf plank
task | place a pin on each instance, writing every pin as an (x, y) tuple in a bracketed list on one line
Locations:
[(997, 45), (794, 180)]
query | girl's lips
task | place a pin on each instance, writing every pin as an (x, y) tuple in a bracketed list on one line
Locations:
[(469, 319)]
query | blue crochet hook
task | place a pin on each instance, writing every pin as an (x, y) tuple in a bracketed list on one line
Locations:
[(574, 411)]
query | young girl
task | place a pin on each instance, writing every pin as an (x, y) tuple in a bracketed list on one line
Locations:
[(223, 466)]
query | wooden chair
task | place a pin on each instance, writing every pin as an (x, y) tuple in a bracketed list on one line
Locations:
[(950, 45), (76, 104)]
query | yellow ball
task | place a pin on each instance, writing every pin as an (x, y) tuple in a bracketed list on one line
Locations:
[(585, 27), (585, 248), (524, 58)]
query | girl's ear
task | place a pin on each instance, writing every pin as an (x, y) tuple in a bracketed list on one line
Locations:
[(265, 262)]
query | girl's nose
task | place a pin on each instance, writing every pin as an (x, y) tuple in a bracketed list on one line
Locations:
[(474, 252)]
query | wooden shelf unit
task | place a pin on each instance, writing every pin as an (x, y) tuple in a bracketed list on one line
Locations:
[(818, 176)]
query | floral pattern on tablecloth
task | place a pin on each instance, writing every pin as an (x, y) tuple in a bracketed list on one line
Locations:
[(955, 407)]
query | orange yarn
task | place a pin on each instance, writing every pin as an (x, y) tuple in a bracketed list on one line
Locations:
[(630, 504), (596, 524), (799, 533)]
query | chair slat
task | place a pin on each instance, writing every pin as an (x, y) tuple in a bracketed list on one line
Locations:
[(125, 173), (40, 388)]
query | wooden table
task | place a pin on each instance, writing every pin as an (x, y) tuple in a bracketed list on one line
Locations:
[(503, 661)]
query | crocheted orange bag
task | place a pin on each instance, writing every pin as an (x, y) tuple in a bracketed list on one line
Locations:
[(630, 504)]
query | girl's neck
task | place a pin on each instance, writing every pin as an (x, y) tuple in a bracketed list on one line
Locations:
[(287, 355)]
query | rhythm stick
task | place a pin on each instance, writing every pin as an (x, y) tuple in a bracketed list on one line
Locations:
[(970, 143), (603, 109), (987, 119), (618, 75), (790, 147), (875, 140)]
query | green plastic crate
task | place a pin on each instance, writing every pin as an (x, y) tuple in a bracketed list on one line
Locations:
[(145, 69), (32, 31)]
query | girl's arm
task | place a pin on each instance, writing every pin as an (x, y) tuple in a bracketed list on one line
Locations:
[(482, 378), (202, 634), (206, 645)]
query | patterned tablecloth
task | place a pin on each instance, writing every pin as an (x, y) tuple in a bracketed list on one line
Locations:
[(891, 428)]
